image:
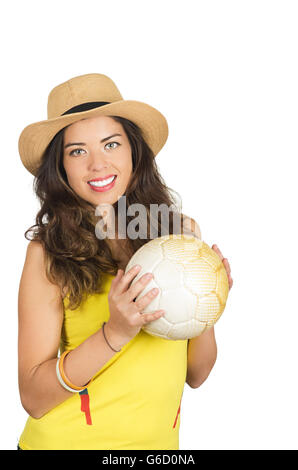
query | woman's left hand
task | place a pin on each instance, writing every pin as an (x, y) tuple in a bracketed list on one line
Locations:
[(225, 263)]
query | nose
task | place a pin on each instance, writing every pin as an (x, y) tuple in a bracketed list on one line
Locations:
[(97, 161)]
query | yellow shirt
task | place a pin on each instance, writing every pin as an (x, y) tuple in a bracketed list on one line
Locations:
[(134, 399)]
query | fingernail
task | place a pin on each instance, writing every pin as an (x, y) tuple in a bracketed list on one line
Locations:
[(148, 275)]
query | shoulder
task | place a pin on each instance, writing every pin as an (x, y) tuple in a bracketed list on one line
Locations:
[(36, 258), (190, 225), (35, 248), (35, 253)]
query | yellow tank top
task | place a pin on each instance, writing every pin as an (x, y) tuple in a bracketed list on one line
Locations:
[(133, 401)]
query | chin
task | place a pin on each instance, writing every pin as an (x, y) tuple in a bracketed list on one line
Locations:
[(103, 199)]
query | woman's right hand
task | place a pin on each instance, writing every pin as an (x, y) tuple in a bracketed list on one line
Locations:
[(126, 318)]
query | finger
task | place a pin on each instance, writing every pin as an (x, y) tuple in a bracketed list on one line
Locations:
[(226, 265), (126, 278), (119, 273), (117, 277), (148, 317), (217, 250), (147, 299), (137, 287)]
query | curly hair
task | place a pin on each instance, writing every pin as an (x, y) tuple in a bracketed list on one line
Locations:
[(75, 258)]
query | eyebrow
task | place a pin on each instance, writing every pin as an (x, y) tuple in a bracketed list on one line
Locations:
[(82, 143)]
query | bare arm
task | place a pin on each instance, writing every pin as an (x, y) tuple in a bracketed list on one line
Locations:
[(40, 321), (201, 357), (201, 350)]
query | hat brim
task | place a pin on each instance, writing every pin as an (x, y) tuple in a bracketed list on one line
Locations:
[(35, 138)]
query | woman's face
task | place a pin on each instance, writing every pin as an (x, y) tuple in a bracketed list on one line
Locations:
[(90, 153)]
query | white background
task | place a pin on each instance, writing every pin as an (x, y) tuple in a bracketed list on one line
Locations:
[(224, 73)]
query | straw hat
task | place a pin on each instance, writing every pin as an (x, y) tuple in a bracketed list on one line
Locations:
[(83, 97)]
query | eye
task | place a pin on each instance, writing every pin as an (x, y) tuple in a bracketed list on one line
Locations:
[(75, 150), (110, 143), (78, 149)]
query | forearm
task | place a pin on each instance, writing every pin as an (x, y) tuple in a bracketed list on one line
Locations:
[(201, 357), (45, 391)]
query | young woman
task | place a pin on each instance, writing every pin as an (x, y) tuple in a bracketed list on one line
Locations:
[(113, 385)]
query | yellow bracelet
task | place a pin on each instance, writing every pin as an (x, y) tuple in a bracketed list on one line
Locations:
[(64, 378)]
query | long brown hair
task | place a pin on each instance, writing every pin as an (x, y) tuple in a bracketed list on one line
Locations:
[(65, 224)]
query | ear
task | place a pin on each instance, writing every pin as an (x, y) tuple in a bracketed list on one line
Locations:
[(190, 225)]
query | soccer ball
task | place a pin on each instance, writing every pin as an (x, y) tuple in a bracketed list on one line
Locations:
[(192, 281)]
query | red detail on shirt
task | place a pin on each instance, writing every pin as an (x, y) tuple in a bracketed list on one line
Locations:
[(177, 415), (85, 407)]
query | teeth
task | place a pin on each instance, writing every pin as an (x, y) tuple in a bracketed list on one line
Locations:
[(102, 183)]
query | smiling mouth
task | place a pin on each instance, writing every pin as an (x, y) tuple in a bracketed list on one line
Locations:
[(103, 183)]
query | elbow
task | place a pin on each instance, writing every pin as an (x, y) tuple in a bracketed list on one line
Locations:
[(26, 408), (29, 408), (199, 382), (191, 385), (34, 415), (31, 412), (204, 374)]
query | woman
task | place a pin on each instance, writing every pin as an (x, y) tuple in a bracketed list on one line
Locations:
[(113, 386)]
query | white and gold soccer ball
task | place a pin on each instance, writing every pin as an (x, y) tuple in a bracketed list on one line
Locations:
[(192, 281)]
